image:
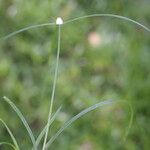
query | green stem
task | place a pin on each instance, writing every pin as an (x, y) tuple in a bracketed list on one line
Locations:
[(53, 89)]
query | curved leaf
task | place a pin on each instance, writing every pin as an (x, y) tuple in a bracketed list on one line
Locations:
[(18, 112), (109, 15), (44, 129), (82, 113), (11, 135), (9, 144)]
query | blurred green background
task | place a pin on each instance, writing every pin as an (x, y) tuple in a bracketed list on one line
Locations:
[(101, 58)]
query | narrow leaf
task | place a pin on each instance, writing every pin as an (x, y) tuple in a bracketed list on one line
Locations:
[(11, 135), (44, 129), (82, 113), (9, 144), (18, 112)]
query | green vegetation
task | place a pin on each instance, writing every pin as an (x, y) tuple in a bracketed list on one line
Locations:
[(100, 58)]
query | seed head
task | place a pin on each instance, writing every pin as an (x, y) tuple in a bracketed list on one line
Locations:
[(59, 21)]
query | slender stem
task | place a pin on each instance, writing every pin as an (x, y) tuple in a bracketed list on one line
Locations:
[(111, 16), (53, 89), (75, 19), (25, 29)]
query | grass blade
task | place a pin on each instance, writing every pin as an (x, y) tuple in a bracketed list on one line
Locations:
[(82, 113), (75, 19), (109, 15), (44, 129), (11, 135), (53, 88), (130, 120), (25, 29), (22, 119), (9, 144)]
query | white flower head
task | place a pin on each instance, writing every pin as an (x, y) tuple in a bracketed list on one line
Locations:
[(59, 21)]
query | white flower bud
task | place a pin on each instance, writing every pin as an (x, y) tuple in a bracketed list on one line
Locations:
[(59, 21)]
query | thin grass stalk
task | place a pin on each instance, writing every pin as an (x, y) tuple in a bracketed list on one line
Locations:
[(76, 19), (39, 138), (54, 87)]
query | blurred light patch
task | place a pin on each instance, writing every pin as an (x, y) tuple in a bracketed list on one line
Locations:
[(63, 116), (12, 11), (94, 39), (86, 146)]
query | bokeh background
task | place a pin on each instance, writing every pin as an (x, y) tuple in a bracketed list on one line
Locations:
[(101, 58)]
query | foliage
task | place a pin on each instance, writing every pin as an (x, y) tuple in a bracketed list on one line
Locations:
[(115, 68)]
